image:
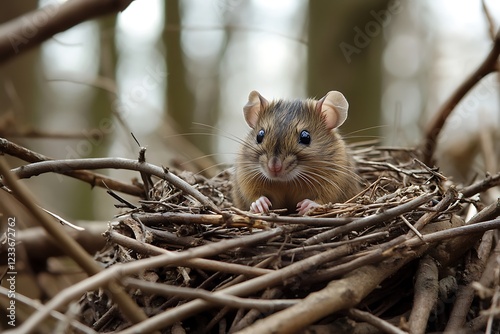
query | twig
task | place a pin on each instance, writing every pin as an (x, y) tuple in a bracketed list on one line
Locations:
[(489, 19), (426, 294), (371, 220), (31, 29), (252, 315), (340, 294), (94, 179), (61, 166), (152, 219), (434, 128), (465, 295), (169, 317), (382, 325), (40, 246), (218, 299), (310, 221), (216, 266), (55, 314), (410, 226), (119, 270), (453, 233), (69, 245), (478, 187)]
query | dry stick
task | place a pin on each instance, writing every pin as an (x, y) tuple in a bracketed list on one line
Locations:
[(61, 166), (31, 29), (382, 325), (306, 220), (487, 183), (217, 299), (452, 233), (338, 295), (252, 315), (253, 285), (426, 294), (386, 249), (434, 128), (475, 269), (153, 219), (94, 179), (465, 294), (35, 304), (345, 295), (350, 290), (206, 264), (131, 311), (119, 270), (487, 280), (370, 220)]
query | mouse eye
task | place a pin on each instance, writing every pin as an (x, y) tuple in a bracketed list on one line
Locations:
[(304, 137), (260, 136)]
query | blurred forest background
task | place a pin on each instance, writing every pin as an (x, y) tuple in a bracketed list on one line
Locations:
[(176, 73)]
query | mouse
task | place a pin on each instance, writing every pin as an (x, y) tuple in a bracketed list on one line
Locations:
[(293, 157)]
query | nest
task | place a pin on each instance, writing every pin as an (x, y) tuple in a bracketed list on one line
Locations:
[(347, 267)]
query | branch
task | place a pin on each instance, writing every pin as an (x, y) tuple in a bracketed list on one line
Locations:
[(206, 264), (69, 245), (370, 220), (40, 246), (434, 128), (218, 299), (466, 293), (94, 179), (31, 29), (248, 287), (426, 294), (119, 270), (378, 323), (63, 166)]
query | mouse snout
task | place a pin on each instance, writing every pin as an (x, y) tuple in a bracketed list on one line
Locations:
[(275, 165)]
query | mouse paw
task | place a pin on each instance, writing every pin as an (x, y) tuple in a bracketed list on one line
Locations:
[(262, 205), (306, 205)]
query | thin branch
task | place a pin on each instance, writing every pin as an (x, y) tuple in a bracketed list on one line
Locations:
[(473, 271), (426, 294), (218, 299), (453, 233), (338, 295), (370, 220), (478, 187), (40, 246), (35, 304), (488, 66), (489, 19), (63, 166), (382, 325), (68, 244), (207, 264), (253, 285), (94, 179), (153, 219), (119, 270), (31, 29)]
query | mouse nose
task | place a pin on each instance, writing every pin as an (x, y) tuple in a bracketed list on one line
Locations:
[(274, 165)]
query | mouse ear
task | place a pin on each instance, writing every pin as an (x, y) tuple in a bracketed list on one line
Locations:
[(334, 107), (256, 103)]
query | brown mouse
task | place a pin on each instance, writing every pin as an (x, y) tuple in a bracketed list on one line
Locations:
[(293, 156)]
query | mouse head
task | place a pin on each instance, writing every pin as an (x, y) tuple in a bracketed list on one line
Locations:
[(332, 108)]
